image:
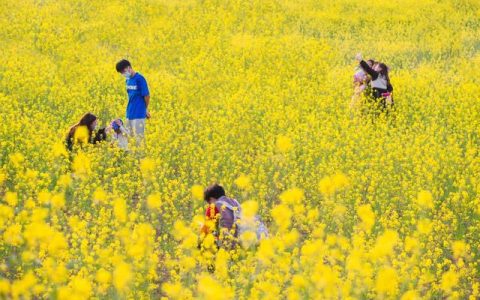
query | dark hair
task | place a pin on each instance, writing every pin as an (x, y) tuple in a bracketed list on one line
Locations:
[(86, 120), (213, 191), (121, 65), (372, 61), (384, 71)]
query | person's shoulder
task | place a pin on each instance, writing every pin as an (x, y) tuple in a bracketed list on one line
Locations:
[(139, 76), (220, 203), (140, 79)]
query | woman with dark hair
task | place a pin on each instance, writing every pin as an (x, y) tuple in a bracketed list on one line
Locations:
[(380, 81), (87, 124)]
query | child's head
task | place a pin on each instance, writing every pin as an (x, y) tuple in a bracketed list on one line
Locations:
[(381, 68), (116, 124), (370, 62), (213, 193)]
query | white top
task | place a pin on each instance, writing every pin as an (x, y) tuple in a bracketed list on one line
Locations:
[(122, 137), (380, 82)]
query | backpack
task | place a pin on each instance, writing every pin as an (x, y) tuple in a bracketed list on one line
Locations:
[(256, 226)]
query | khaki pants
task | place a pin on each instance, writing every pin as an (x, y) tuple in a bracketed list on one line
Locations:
[(137, 129)]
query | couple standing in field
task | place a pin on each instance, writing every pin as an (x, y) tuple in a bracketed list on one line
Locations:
[(372, 79), (136, 114)]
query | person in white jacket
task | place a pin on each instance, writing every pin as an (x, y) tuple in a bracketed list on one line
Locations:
[(120, 134)]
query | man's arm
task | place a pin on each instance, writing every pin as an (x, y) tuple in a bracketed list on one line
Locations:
[(145, 93), (147, 102)]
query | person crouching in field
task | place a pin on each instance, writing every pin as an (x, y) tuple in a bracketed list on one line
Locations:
[(220, 218), (382, 89), (83, 132), (120, 134)]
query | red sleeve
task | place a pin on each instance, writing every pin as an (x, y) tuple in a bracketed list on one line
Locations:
[(210, 214)]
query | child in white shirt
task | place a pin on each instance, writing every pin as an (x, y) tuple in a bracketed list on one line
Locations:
[(120, 134)]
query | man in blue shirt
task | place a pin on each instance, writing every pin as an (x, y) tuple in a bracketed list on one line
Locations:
[(138, 99)]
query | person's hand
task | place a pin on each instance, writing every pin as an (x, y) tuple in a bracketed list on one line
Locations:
[(148, 115), (359, 57)]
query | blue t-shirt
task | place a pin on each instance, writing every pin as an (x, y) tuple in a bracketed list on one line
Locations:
[(137, 89)]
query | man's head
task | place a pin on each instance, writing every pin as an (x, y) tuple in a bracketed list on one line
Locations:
[(125, 68), (213, 193)]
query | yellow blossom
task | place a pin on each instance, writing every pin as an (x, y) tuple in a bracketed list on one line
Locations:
[(292, 196), (425, 199), (209, 288), (424, 226), (449, 280), (243, 182), (410, 295), (459, 249), (99, 196), (13, 235), (367, 216), (284, 143), (81, 135), (385, 243), (387, 281), (122, 276), (281, 215), (120, 209), (3, 177), (58, 200), (103, 276), (17, 159), (147, 165), (82, 164), (154, 201), (197, 192), (11, 198), (330, 184)]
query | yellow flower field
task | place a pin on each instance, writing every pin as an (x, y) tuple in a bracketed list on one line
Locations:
[(254, 95)]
